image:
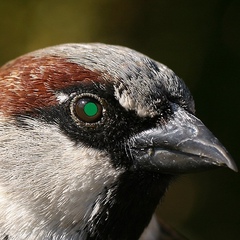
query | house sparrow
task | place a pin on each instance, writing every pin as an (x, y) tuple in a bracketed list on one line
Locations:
[(91, 136)]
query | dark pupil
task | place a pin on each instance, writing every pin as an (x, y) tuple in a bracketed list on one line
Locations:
[(88, 109)]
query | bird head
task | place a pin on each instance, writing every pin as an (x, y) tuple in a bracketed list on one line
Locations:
[(91, 137)]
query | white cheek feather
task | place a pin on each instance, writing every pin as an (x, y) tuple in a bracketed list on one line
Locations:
[(47, 182)]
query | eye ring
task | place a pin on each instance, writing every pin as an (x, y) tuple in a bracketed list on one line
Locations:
[(87, 109)]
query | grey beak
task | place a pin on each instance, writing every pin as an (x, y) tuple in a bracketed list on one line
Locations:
[(182, 145)]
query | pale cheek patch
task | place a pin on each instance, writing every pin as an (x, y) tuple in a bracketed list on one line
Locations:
[(48, 181)]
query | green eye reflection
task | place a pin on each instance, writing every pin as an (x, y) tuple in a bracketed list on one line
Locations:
[(88, 109), (91, 109)]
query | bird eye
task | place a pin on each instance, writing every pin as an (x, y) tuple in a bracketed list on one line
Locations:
[(88, 109)]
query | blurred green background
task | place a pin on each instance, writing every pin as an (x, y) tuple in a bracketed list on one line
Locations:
[(199, 40)]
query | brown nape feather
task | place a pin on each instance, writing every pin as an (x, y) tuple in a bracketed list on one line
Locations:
[(29, 83)]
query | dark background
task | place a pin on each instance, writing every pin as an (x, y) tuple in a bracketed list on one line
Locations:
[(199, 40)]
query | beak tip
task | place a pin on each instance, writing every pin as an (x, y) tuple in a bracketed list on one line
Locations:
[(232, 166), (226, 159)]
